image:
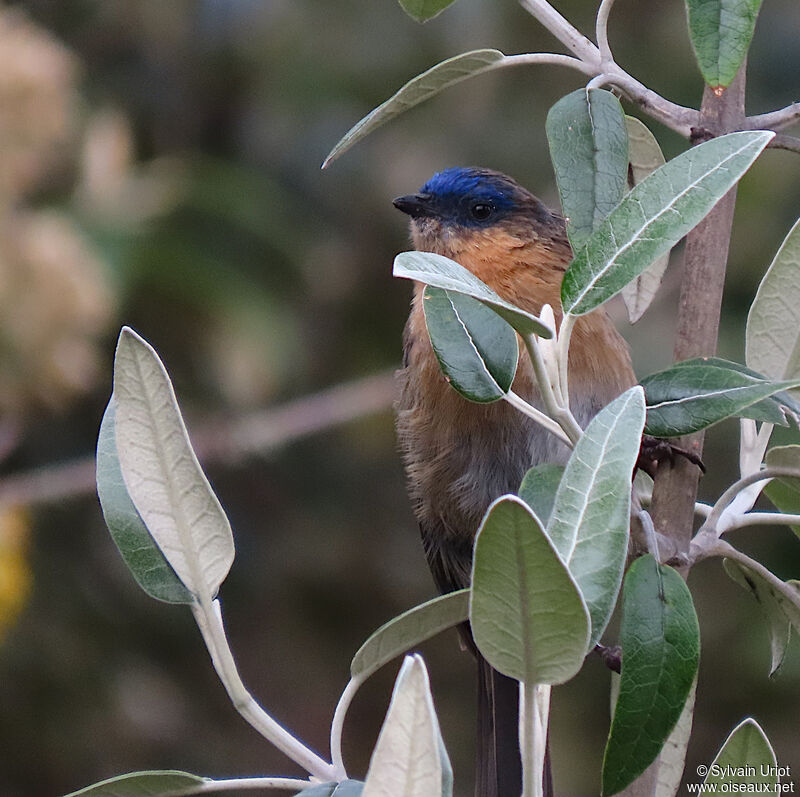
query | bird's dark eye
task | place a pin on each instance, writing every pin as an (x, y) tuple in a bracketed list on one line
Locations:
[(481, 210)]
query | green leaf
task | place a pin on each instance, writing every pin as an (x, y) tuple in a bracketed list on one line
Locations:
[(739, 761), (660, 640), (645, 157), (685, 398), (138, 549), (721, 32), (441, 272), (672, 758), (165, 783), (528, 617), (539, 487), (590, 520), (785, 495), (655, 215), (161, 471), (476, 349), (409, 758), (784, 491), (772, 410), (428, 84), (773, 323), (423, 10), (347, 788), (408, 630), (589, 149), (780, 613)]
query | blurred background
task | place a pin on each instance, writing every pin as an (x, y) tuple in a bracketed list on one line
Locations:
[(159, 167)]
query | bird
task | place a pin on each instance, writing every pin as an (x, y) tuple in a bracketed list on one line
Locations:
[(460, 456)]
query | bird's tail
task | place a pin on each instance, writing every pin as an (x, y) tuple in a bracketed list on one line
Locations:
[(498, 769)]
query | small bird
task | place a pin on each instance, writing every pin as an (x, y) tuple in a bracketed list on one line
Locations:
[(460, 456)]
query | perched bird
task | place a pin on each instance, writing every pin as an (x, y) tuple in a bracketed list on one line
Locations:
[(460, 456)]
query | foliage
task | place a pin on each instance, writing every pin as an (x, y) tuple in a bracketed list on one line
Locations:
[(544, 585)]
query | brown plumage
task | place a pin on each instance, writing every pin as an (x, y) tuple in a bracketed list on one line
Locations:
[(460, 456)]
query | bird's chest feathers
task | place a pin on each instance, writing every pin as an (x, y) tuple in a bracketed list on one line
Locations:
[(526, 270)]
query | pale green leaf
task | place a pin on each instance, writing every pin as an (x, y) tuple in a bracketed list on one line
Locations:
[(672, 758), (441, 272), (590, 520), (655, 215), (527, 615), (779, 612), (421, 88), (164, 783), (645, 157), (660, 640), (539, 487), (721, 32), (162, 474), (589, 149), (773, 323), (784, 491), (476, 349), (138, 549), (407, 759), (408, 630), (423, 10), (741, 758)]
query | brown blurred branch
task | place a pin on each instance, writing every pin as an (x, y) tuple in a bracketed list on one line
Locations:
[(222, 441)]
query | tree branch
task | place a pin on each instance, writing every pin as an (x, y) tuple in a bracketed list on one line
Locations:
[(775, 120), (228, 441), (724, 549), (563, 30), (705, 260), (782, 141), (597, 63)]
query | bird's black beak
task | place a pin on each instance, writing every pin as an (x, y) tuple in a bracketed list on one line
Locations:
[(415, 205)]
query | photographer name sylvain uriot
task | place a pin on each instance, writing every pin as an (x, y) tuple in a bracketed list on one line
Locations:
[(764, 771)]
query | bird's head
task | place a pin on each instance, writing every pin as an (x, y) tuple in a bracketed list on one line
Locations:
[(461, 207)]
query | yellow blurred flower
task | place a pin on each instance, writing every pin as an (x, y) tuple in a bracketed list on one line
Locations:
[(15, 574)]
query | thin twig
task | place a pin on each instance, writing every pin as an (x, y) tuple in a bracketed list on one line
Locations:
[(337, 725), (563, 30), (228, 441), (598, 81), (783, 141), (209, 621), (762, 519), (724, 549), (554, 59), (775, 120), (676, 117), (601, 29), (228, 784), (537, 415), (730, 494)]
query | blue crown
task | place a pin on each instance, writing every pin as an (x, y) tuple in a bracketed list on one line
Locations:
[(459, 182)]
